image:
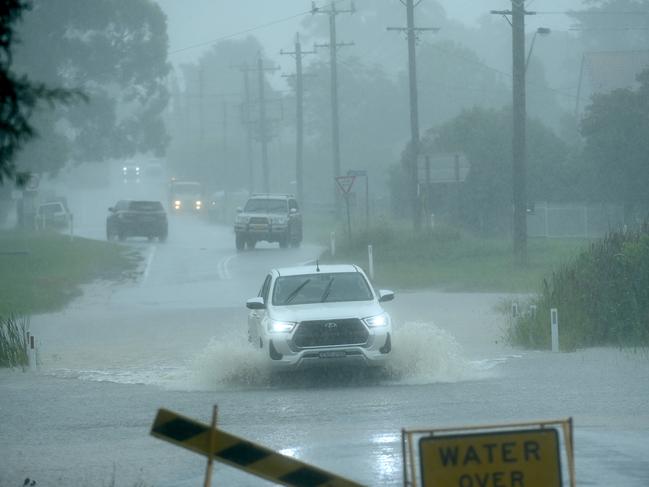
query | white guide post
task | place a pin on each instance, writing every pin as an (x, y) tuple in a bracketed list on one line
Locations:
[(554, 328)]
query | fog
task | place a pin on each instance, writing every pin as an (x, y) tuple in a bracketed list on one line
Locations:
[(140, 294)]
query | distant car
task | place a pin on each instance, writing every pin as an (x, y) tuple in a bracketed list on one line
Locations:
[(53, 215), (137, 219), (320, 315), (131, 173), (186, 196), (269, 217)]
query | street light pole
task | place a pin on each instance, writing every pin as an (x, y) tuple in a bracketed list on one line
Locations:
[(540, 31)]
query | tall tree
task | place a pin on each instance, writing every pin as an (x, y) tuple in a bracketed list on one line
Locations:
[(116, 51), (615, 127), (19, 96), (484, 137)]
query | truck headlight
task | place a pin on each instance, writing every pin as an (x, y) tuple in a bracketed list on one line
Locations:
[(275, 326), (376, 321)]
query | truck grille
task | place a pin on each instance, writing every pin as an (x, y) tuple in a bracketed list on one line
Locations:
[(257, 220), (325, 333)]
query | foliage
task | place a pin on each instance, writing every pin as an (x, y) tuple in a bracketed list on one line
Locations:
[(209, 121), (602, 297), (13, 342), (42, 272), (484, 137), (613, 25), (452, 78), (372, 115), (615, 127), (116, 51), (19, 96)]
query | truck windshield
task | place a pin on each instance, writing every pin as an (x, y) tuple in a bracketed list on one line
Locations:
[(260, 205), (320, 288)]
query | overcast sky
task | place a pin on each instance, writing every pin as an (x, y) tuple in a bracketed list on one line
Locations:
[(195, 24)]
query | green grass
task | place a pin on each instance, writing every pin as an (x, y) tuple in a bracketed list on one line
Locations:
[(449, 260), (42, 272)]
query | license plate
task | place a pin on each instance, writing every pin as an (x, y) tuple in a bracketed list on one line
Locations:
[(332, 354)]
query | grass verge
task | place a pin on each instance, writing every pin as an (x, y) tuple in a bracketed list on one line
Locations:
[(449, 260), (42, 272)]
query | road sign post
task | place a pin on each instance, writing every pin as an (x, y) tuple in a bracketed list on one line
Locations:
[(345, 184)]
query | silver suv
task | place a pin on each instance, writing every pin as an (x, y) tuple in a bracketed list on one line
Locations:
[(320, 315), (271, 218)]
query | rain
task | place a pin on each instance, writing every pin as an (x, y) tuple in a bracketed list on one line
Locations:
[(364, 230)]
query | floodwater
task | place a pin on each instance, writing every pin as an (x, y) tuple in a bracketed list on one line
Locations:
[(175, 337)]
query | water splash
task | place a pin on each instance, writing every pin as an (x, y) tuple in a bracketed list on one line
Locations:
[(425, 353), (228, 361)]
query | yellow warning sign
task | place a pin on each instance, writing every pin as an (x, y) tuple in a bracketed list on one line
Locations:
[(239, 453), (518, 458)]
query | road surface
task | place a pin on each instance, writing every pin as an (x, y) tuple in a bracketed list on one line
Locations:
[(175, 337)]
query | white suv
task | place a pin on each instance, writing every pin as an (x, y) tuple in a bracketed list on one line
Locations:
[(318, 315)]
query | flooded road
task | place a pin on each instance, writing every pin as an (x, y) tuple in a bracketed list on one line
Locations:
[(175, 337)]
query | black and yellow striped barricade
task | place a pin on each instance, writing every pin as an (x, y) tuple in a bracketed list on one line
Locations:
[(242, 454)]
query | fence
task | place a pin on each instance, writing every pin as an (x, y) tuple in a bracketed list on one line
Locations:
[(577, 220)]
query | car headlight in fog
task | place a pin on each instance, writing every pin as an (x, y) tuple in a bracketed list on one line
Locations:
[(177, 204), (376, 321), (198, 204), (275, 326)]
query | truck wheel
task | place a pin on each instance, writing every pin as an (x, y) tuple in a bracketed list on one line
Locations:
[(283, 242), (251, 244), (239, 242)]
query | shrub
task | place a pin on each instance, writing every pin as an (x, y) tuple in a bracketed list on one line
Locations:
[(602, 297)]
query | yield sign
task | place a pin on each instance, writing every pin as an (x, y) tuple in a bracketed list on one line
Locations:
[(345, 183)]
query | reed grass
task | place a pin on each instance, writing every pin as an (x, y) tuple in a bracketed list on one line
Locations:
[(602, 297), (13, 342)]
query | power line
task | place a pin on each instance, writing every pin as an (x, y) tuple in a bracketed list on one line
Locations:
[(246, 31), (236, 34)]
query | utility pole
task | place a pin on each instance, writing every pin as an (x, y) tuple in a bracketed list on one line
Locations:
[(262, 123), (299, 116), (411, 32), (262, 126), (245, 115), (333, 46), (519, 149)]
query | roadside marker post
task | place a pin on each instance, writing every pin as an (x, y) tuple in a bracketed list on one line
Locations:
[(370, 258), (332, 239), (242, 454), (554, 329)]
